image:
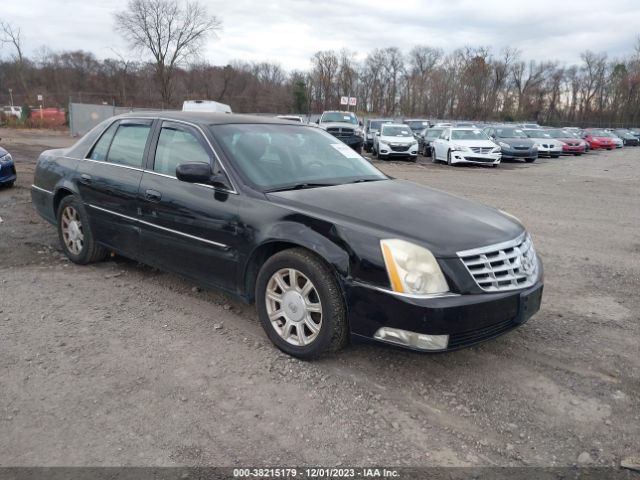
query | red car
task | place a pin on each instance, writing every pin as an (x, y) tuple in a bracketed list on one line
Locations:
[(572, 144), (597, 138)]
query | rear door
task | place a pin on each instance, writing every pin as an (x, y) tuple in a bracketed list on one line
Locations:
[(108, 181), (188, 228)]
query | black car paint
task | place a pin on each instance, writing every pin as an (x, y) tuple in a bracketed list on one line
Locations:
[(220, 236)]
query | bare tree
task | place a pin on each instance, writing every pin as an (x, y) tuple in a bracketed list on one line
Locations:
[(9, 34), (171, 31)]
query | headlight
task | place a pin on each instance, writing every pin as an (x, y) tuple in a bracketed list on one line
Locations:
[(412, 269), (6, 158), (414, 143), (459, 148), (359, 132), (504, 145), (495, 150)]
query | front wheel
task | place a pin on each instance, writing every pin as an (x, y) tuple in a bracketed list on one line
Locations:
[(75, 234), (449, 158), (530, 160), (300, 304)]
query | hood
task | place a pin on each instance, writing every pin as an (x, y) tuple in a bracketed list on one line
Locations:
[(338, 125), (516, 142), (400, 140), (443, 223), (475, 143)]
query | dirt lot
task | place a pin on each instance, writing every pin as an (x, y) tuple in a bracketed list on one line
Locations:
[(120, 364)]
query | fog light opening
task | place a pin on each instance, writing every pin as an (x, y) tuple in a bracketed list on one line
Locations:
[(406, 338)]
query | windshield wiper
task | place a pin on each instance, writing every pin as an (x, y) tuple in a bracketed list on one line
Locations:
[(299, 186), (362, 180)]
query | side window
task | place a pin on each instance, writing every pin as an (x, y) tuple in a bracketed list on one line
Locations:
[(101, 148), (175, 146), (127, 147)]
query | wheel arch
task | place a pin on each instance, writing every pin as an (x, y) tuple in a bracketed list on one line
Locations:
[(330, 253), (61, 191)]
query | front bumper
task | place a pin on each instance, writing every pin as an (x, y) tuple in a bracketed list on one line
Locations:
[(549, 150), (512, 153), (354, 141), (458, 156), (466, 319), (399, 151), (7, 172), (573, 149)]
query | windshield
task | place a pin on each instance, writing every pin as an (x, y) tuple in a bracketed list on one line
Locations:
[(375, 124), (275, 156), (560, 134), (417, 125), (339, 117), (433, 133), (468, 135), (396, 131), (510, 133), (596, 133)]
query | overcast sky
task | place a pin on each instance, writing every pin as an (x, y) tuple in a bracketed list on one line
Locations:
[(290, 31)]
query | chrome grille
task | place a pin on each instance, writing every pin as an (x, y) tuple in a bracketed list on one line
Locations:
[(482, 150), (506, 266), (340, 132)]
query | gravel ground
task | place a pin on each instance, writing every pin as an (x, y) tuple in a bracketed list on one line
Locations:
[(120, 364)]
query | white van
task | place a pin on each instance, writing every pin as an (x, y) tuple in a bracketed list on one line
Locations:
[(205, 106)]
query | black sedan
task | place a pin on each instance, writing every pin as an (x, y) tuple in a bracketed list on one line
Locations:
[(514, 143), (283, 214), (628, 138)]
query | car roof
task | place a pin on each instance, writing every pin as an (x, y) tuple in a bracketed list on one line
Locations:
[(205, 118)]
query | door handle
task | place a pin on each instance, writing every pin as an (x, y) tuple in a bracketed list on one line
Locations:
[(152, 195), (85, 178)]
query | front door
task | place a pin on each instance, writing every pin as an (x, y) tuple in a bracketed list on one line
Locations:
[(188, 228)]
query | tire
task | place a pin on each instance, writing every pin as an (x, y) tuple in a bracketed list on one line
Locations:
[(77, 241), (530, 160), (359, 150), (555, 156), (449, 158), (7, 185), (333, 331)]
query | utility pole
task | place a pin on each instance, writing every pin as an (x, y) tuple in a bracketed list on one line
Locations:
[(11, 95)]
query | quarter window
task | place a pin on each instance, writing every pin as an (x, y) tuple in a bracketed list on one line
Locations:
[(127, 147), (176, 146), (101, 148)]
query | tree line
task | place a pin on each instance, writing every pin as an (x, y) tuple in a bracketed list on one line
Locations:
[(472, 83)]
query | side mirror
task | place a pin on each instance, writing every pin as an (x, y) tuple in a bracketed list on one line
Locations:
[(194, 172), (360, 123), (318, 121)]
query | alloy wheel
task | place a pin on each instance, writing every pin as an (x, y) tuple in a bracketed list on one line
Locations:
[(294, 307), (72, 232)]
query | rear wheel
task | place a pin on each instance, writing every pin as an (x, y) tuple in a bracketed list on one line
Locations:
[(75, 233), (300, 304)]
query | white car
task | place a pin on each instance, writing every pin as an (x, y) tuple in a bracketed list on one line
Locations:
[(465, 145), (547, 146), (395, 140), (12, 111)]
